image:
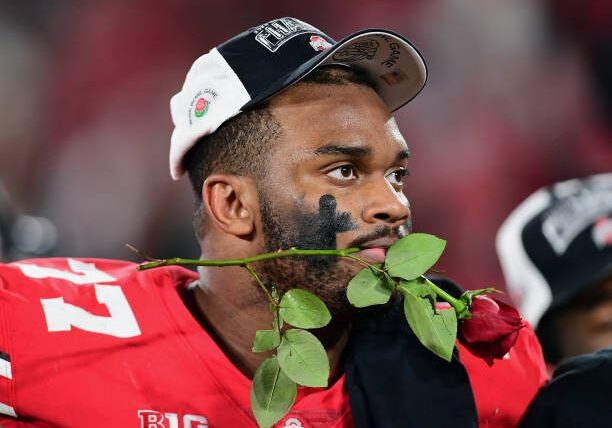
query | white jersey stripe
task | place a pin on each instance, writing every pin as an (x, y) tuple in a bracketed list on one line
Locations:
[(5, 409), (5, 369)]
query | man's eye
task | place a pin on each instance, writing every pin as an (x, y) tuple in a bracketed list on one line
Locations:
[(396, 177), (343, 172)]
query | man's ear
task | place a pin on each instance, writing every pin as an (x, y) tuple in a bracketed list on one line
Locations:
[(231, 202)]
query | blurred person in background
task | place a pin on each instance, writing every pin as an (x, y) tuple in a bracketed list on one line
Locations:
[(555, 249), (23, 235), (578, 395)]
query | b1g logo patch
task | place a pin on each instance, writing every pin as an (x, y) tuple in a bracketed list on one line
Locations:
[(201, 103), (155, 419)]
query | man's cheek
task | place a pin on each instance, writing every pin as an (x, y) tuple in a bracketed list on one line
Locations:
[(337, 221), (319, 230)]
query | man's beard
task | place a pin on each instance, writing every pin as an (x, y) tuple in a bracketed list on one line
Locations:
[(303, 229), (300, 227)]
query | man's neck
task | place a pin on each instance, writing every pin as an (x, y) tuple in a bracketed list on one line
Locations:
[(232, 320)]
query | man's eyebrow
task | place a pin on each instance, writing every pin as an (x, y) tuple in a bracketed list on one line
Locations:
[(403, 155), (336, 149)]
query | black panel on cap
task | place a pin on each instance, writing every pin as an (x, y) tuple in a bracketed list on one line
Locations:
[(257, 66)]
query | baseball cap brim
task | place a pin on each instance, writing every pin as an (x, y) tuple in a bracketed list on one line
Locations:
[(394, 67)]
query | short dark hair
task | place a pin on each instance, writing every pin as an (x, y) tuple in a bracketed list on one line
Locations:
[(239, 146), (242, 145)]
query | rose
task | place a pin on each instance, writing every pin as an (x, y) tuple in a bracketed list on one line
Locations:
[(492, 329)]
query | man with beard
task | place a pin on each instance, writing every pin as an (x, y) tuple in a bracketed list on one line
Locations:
[(288, 141)]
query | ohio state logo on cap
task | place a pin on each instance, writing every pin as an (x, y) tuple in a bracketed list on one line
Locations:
[(319, 44)]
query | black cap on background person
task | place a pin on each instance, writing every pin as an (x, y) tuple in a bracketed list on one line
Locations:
[(578, 395), (555, 250)]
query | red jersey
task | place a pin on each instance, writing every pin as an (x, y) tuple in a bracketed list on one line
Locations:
[(95, 343)]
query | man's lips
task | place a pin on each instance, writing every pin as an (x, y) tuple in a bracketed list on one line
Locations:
[(372, 255), (375, 251)]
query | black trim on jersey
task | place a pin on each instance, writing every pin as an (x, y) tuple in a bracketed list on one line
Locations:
[(395, 382), (5, 356)]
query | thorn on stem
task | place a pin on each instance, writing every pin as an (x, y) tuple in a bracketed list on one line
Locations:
[(140, 253)]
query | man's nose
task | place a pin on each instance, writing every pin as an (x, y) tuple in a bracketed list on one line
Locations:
[(383, 204)]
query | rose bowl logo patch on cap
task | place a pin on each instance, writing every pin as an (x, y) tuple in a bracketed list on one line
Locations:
[(201, 107), (319, 44), (201, 104)]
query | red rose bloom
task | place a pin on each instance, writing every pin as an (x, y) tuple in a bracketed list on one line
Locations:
[(492, 330)]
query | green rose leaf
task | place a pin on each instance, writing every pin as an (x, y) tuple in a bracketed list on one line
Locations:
[(368, 288), (272, 393), (302, 357), (413, 255), (266, 340), (303, 309), (435, 329)]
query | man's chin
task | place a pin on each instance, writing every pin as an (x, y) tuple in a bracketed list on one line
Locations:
[(327, 278)]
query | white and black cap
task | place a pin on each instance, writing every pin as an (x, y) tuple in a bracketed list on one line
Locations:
[(264, 60), (557, 244)]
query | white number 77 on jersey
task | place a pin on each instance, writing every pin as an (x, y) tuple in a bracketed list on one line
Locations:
[(62, 316)]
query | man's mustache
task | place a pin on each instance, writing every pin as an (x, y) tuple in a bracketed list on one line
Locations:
[(380, 232)]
